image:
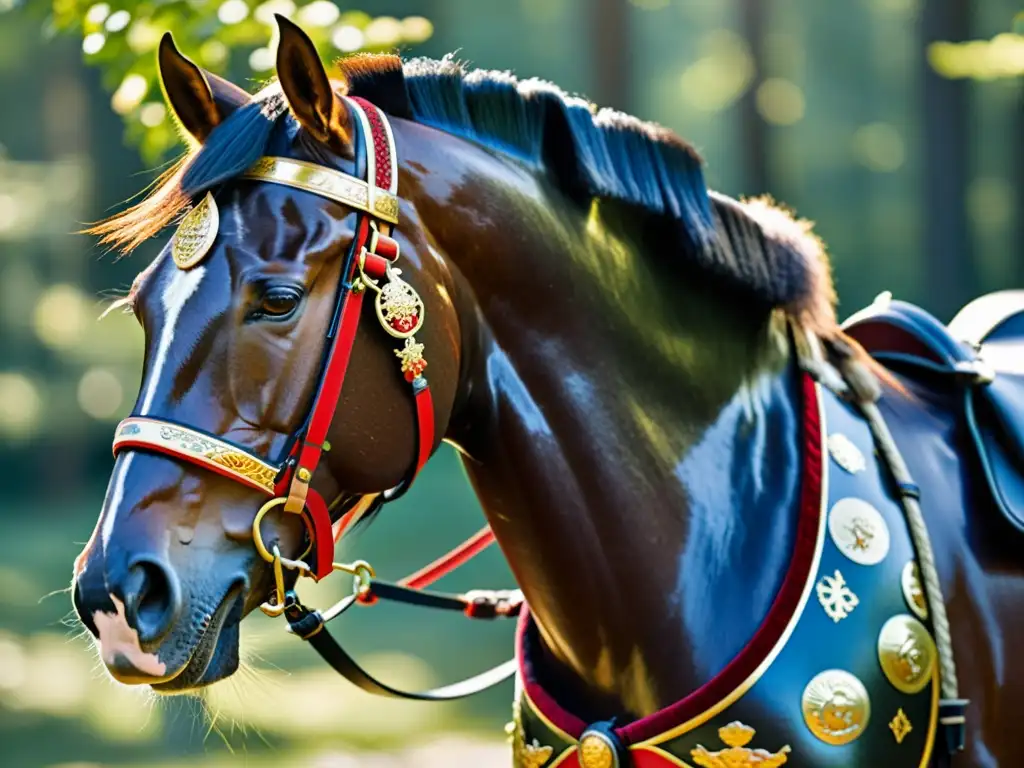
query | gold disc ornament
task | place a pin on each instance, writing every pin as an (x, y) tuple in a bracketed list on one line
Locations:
[(913, 591), (836, 707), (196, 234), (907, 653), (596, 751)]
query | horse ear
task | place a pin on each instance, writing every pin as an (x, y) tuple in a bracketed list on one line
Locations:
[(200, 101), (308, 90)]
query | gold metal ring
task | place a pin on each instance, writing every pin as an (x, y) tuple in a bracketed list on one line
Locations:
[(270, 608), (257, 537), (362, 575)]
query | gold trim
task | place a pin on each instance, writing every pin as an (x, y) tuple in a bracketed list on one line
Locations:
[(208, 450), (933, 722), (812, 579), (326, 182), (550, 726), (196, 234), (569, 751)]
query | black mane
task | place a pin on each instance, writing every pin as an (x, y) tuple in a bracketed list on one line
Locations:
[(605, 154)]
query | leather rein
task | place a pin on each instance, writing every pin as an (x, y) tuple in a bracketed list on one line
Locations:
[(369, 265)]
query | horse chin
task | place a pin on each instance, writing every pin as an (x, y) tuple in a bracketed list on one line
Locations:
[(215, 656)]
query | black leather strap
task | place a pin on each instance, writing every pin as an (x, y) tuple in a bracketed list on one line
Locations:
[(310, 626)]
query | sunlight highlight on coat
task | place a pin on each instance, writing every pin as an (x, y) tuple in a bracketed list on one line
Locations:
[(180, 287)]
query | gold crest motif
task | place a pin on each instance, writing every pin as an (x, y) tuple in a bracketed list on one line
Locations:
[(900, 726), (859, 531), (525, 755), (845, 453), (595, 751), (836, 707), (399, 308), (736, 736), (236, 461), (907, 653), (913, 592), (835, 597), (196, 234)]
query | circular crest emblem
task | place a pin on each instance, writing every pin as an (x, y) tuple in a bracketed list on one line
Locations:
[(196, 234), (859, 531), (399, 308), (907, 653), (596, 751), (836, 707)]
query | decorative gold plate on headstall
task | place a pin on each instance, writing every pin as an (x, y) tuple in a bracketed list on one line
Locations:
[(196, 234)]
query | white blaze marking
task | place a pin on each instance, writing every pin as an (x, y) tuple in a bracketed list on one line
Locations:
[(179, 289)]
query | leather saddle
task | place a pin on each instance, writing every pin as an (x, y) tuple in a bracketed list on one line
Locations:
[(979, 360)]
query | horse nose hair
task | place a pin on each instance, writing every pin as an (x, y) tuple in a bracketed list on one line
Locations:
[(152, 599)]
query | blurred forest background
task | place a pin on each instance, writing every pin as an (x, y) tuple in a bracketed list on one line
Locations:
[(896, 125)]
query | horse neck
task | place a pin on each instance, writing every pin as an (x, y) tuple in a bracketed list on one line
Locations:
[(612, 414)]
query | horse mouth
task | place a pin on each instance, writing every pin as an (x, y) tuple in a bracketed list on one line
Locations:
[(215, 653)]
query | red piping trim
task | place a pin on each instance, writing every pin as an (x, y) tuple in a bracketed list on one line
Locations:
[(761, 644)]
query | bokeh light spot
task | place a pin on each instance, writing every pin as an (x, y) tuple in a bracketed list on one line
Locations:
[(780, 101), (100, 393), (20, 403), (879, 147), (59, 316)]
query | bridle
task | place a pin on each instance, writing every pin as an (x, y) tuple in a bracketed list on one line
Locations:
[(368, 266)]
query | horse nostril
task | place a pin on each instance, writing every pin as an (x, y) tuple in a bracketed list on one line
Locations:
[(152, 600)]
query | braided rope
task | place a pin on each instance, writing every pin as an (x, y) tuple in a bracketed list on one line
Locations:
[(923, 545)]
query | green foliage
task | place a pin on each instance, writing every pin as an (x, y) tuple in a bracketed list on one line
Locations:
[(233, 38)]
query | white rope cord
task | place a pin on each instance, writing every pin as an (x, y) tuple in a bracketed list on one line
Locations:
[(923, 546)]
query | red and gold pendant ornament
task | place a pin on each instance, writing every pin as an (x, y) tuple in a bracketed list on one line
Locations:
[(400, 311)]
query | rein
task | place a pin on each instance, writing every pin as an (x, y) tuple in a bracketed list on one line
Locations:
[(369, 265)]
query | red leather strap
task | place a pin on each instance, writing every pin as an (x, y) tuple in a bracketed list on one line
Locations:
[(318, 523), (444, 565), (425, 419)]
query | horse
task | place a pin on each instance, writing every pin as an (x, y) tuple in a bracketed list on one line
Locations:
[(743, 535)]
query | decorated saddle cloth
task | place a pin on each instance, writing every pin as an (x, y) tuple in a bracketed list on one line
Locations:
[(843, 672)]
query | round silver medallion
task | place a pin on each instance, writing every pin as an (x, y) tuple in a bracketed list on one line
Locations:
[(859, 531)]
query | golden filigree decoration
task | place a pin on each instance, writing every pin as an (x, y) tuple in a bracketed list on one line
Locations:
[(836, 597), (227, 457), (413, 362), (525, 754), (386, 206), (900, 726), (196, 234), (737, 754), (845, 453), (399, 308)]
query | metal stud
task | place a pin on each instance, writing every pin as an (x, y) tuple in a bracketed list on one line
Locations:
[(859, 531), (836, 707), (596, 751)]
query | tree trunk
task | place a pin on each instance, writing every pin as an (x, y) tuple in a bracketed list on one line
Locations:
[(753, 129), (950, 276), (610, 46)]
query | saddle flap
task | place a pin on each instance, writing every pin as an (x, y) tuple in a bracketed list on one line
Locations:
[(981, 352)]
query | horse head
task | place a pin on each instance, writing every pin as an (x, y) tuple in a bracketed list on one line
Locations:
[(241, 313)]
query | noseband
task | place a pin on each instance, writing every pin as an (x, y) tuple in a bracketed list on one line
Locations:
[(369, 265)]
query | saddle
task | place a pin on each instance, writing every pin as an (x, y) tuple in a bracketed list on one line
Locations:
[(976, 363)]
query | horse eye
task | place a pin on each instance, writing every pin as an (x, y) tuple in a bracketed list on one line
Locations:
[(278, 304)]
